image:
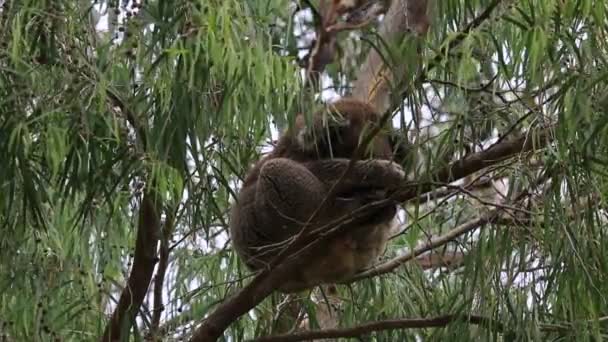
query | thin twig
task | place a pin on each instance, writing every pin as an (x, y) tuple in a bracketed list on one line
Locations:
[(389, 266), (159, 279)]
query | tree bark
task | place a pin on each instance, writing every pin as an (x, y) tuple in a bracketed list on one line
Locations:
[(375, 77), (144, 261)]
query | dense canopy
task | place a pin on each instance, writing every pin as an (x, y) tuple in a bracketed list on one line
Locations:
[(126, 128)]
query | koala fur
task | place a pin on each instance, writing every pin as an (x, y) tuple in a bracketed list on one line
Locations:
[(283, 189)]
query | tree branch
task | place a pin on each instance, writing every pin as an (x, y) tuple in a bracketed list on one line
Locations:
[(433, 260), (159, 279), (457, 170), (464, 228), (327, 26), (478, 161), (144, 261), (395, 324), (375, 77)]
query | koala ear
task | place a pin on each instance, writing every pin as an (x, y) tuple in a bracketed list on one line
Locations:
[(304, 136)]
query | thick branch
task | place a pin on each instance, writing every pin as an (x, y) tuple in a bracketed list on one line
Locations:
[(158, 284), (453, 172), (327, 27), (368, 328), (144, 260), (238, 304), (375, 77), (460, 169), (478, 161)]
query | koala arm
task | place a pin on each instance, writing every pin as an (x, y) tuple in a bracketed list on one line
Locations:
[(365, 174), (287, 193)]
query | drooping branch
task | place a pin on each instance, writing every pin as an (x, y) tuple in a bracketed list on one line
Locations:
[(394, 324)]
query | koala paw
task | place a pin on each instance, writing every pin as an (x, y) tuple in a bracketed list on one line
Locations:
[(392, 167)]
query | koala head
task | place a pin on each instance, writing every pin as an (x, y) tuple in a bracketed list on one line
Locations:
[(336, 131)]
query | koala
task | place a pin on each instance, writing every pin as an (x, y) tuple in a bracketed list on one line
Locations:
[(282, 191)]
